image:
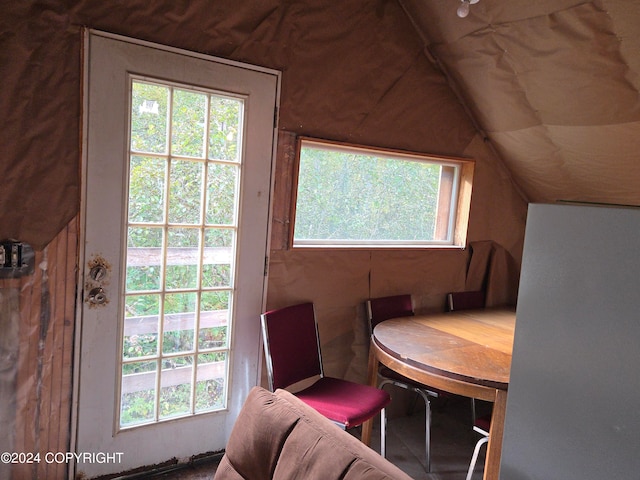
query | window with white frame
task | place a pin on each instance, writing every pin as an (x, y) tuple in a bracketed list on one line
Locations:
[(362, 197)]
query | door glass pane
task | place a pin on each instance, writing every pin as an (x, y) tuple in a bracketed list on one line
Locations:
[(144, 258), (147, 187), (225, 125), (221, 185), (141, 326), (188, 126), (179, 322), (181, 234), (138, 393), (214, 320), (210, 383), (175, 390), (183, 258), (185, 192), (218, 247), (149, 112)]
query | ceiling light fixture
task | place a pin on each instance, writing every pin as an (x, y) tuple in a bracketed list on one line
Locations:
[(463, 9)]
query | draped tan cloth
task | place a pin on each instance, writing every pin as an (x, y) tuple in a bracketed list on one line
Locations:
[(492, 269)]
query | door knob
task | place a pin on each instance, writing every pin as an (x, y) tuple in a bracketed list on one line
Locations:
[(97, 296), (98, 272)]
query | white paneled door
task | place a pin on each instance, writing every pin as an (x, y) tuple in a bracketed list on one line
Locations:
[(177, 182)]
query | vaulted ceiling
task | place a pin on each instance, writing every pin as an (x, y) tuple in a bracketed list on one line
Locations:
[(551, 84)]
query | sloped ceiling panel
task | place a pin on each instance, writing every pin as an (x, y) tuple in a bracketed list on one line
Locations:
[(553, 85)]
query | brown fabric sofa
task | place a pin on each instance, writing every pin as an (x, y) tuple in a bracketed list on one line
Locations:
[(277, 436)]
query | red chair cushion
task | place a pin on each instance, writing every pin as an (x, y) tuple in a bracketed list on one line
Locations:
[(345, 402), (483, 422)]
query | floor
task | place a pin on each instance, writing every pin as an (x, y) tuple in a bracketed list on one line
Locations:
[(452, 443)]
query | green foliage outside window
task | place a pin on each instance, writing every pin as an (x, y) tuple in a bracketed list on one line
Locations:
[(353, 196)]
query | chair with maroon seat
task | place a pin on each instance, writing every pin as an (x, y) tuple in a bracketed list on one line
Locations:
[(292, 352), (465, 300), (395, 306), (481, 425)]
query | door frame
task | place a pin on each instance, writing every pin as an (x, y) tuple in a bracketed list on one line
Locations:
[(86, 33)]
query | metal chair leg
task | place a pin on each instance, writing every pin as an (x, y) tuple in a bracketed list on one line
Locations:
[(427, 428), (427, 406), (383, 433), (473, 411), (474, 459)]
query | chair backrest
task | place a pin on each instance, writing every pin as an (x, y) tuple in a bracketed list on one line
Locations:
[(384, 308), (465, 300), (291, 345)]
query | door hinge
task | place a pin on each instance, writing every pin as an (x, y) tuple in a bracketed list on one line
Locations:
[(266, 265), (16, 259), (275, 117)]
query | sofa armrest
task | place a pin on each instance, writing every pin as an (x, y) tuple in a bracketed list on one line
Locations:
[(277, 436)]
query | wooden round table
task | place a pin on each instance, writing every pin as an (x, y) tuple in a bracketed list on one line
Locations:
[(466, 352)]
